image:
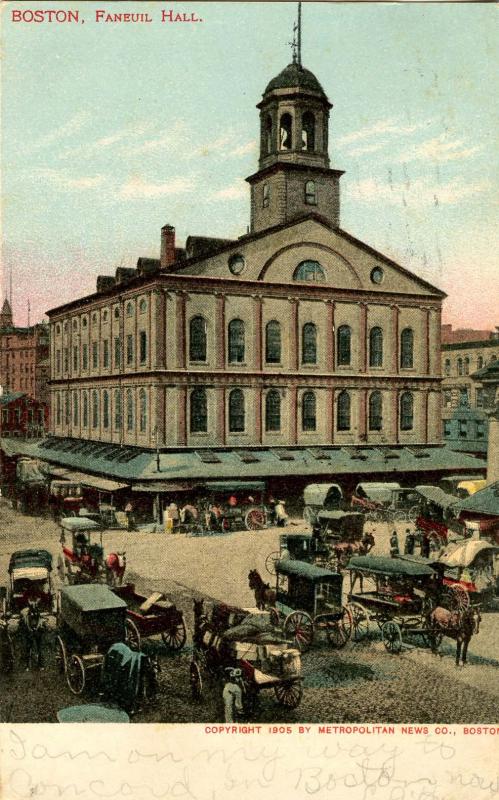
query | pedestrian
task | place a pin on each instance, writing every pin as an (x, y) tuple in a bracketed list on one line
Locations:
[(129, 516), (410, 540), (425, 545), (281, 517), (172, 513), (394, 545), (272, 515), (232, 694)]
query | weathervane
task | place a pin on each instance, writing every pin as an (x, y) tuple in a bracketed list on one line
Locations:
[(296, 43)]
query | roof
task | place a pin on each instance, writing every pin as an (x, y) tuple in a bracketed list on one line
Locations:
[(486, 501), (381, 565), (295, 76), (30, 558), (289, 566), (437, 496), (134, 464), (79, 524), (490, 372), (31, 573), (465, 553), (92, 597)]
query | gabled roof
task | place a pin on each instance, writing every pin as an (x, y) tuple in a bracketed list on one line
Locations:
[(486, 501)]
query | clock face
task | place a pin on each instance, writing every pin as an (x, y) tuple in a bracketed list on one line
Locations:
[(377, 275), (236, 264)]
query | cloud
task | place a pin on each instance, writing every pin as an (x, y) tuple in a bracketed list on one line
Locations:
[(383, 126), (137, 188), (72, 126), (123, 136), (234, 192), (438, 149), (68, 183), (244, 149), (417, 193)]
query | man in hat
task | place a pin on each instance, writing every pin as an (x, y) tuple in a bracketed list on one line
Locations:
[(232, 693), (410, 540), (280, 514), (394, 544)]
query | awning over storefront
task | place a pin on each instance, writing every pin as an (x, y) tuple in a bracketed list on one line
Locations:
[(92, 481), (162, 486)]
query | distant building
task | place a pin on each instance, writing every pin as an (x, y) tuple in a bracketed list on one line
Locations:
[(24, 357), (450, 336), (489, 378), (22, 416), (464, 405)]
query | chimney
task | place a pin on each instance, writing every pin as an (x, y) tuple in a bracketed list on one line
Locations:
[(167, 246)]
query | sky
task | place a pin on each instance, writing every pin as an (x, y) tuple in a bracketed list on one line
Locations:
[(110, 131)]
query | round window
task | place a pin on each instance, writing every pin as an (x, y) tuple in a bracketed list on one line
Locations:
[(377, 275), (236, 264)]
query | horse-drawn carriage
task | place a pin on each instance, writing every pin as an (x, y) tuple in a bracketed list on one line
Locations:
[(235, 505), (399, 597), (386, 502), (308, 601), (65, 498), (320, 497), (151, 616), (83, 559), (30, 573), (245, 643), (437, 516), (477, 566)]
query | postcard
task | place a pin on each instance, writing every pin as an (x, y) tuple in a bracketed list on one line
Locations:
[(248, 348)]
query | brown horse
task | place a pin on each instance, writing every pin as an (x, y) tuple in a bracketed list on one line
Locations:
[(458, 625), (264, 595)]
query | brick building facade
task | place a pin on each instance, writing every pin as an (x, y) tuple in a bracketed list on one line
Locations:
[(24, 354), (295, 334)]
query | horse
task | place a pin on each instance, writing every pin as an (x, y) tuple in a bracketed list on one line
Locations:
[(264, 595), (115, 566), (458, 625), (31, 627)]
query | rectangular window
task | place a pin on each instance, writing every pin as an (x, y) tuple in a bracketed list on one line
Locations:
[(479, 398), (447, 428), (66, 360), (464, 399), (143, 347), (129, 349), (266, 195), (447, 398), (57, 362), (75, 359), (105, 353), (463, 428), (480, 429), (84, 357), (117, 352), (95, 355)]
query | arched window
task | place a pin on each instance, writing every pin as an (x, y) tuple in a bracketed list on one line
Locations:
[(343, 416), (467, 365), (273, 342), (129, 309), (447, 366), (105, 409), (95, 409), (406, 411), (309, 344), (142, 411), (142, 305), (376, 347), (344, 345), (285, 137), (116, 312), (310, 193), (273, 411), (117, 409), (130, 409), (236, 341), (197, 339), (236, 411), (75, 409), (479, 363), (266, 195), (309, 271), (58, 408), (375, 411), (407, 349), (85, 410), (309, 412), (459, 366), (493, 357), (268, 134), (199, 411), (308, 131)]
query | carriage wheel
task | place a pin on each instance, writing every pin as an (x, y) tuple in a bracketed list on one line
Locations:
[(413, 513), (399, 516), (299, 626), (61, 656), (255, 519), (132, 635), (309, 515), (175, 636), (75, 675), (339, 632), (289, 694), (373, 516), (270, 561), (195, 680), (274, 616), (392, 636), (459, 599), (360, 621)]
